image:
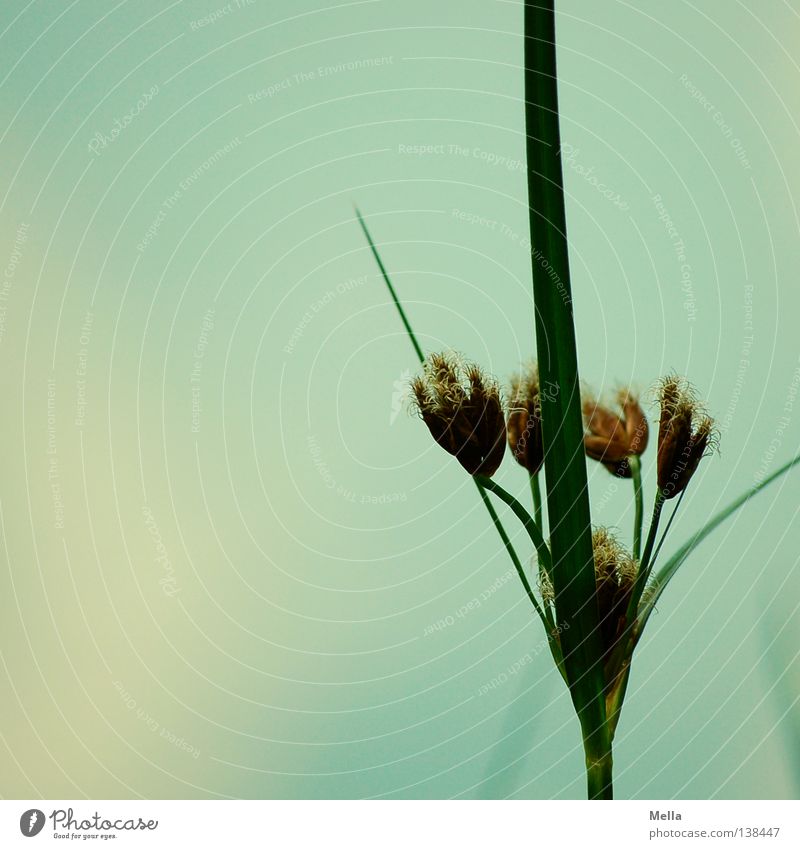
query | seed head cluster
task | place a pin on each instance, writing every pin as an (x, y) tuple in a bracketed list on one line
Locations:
[(615, 433), (463, 410), (685, 435)]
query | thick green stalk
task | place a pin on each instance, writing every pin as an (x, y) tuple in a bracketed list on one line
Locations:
[(562, 421), (536, 492), (599, 768)]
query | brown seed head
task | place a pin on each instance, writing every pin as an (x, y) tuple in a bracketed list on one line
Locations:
[(685, 435), (463, 411), (614, 434), (615, 574), (525, 420)]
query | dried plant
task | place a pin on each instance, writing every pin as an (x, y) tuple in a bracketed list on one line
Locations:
[(593, 597)]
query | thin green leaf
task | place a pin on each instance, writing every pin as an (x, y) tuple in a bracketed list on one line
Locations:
[(668, 570), (562, 422), (421, 356), (390, 287)]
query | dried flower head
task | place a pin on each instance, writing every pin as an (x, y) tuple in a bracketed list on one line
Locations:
[(463, 411), (525, 420), (685, 434), (615, 434), (615, 574)]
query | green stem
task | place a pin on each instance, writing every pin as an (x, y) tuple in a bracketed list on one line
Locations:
[(390, 287), (551, 629), (654, 558), (599, 765), (665, 574), (643, 573), (524, 516), (421, 356), (572, 571), (536, 492), (635, 465), (512, 554)]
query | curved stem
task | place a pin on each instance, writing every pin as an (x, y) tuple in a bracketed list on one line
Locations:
[(635, 465), (421, 357), (545, 614), (522, 514), (512, 554), (674, 563)]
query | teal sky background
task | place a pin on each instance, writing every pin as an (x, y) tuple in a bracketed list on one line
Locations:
[(226, 544)]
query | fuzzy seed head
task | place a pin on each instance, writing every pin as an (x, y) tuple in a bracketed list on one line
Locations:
[(615, 432), (525, 420), (463, 410), (615, 574), (686, 433)]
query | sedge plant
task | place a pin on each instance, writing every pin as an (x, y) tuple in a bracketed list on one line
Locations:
[(592, 593)]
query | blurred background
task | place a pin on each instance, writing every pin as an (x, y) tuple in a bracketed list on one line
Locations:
[(232, 564)]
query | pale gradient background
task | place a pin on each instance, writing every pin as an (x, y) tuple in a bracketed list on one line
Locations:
[(312, 532)]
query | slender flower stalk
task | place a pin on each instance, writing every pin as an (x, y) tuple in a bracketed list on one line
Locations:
[(617, 437), (635, 465), (525, 431), (421, 357)]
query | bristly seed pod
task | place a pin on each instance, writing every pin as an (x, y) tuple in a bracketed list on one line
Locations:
[(615, 435), (685, 434), (463, 411), (615, 574), (525, 420)]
